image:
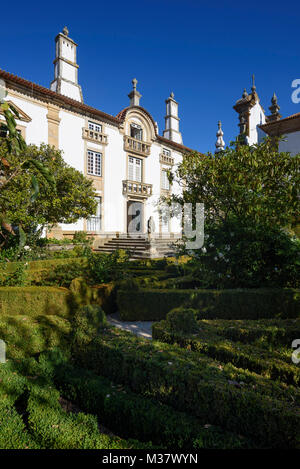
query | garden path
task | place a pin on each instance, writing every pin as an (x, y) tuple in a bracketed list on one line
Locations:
[(139, 328)]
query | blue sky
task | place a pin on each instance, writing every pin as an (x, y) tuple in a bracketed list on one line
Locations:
[(205, 52)]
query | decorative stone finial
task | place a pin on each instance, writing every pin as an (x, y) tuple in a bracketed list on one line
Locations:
[(134, 82), (245, 94), (274, 108), (253, 83), (134, 95), (220, 144), (172, 95), (65, 31)]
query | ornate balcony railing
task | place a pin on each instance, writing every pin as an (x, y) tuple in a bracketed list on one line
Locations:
[(136, 146), (137, 188), (164, 159), (94, 136)]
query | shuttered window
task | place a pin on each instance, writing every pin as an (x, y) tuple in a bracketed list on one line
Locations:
[(134, 169), (164, 180)]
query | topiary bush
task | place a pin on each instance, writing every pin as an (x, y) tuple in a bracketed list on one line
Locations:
[(182, 320), (87, 324)]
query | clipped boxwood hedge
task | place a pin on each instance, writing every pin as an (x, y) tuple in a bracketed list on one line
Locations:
[(269, 364), (13, 434), (33, 416), (266, 332), (231, 398), (26, 336), (132, 415), (35, 301), (154, 304)]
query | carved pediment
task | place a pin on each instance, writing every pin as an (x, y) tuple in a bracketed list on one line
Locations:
[(23, 116)]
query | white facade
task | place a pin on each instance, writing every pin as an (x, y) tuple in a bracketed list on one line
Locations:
[(291, 143), (102, 147)]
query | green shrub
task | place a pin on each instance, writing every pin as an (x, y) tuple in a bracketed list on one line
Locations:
[(27, 336), (35, 301), (263, 332), (134, 416), (13, 434), (82, 237), (105, 268), (182, 320), (33, 415), (63, 274), (235, 399), (54, 428), (17, 278), (87, 324), (253, 358), (153, 305), (242, 255)]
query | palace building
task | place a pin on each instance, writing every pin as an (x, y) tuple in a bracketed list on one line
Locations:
[(124, 155)]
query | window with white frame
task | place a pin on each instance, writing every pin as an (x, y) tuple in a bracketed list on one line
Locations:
[(165, 183), (94, 126), (166, 152), (134, 169), (94, 163), (136, 131)]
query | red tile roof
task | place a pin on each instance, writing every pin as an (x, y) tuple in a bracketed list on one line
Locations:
[(56, 98), (45, 94), (282, 126)]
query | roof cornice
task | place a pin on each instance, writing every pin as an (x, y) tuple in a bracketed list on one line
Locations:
[(283, 126), (44, 94)]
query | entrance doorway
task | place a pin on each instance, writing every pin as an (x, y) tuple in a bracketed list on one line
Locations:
[(134, 217)]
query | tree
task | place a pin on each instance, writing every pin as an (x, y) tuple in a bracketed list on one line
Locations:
[(72, 198), (15, 146), (250, 197), (255, 184)]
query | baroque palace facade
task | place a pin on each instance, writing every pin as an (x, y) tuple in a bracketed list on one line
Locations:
[(124, 155)]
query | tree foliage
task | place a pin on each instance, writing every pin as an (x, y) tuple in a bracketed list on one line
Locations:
[(71, 199), (256, 184)]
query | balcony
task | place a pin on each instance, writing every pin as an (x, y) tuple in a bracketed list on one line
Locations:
[(94, 136), (133, 145), (164, 159), (137, 188)]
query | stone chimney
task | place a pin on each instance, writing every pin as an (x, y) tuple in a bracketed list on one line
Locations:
[(171, 131), (65, 67)]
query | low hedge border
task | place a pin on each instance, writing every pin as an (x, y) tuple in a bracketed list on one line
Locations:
[(134, 416), (253, 358), (154, 304), (54, 428), (198, 386), (47, 264), (32, 415), (35, 301), (263, 332), (25, 336), (13, 434)]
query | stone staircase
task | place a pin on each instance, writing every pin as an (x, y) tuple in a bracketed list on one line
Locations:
[(140, 247)]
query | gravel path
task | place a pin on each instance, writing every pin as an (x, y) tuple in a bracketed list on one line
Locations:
[(139, 328)]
